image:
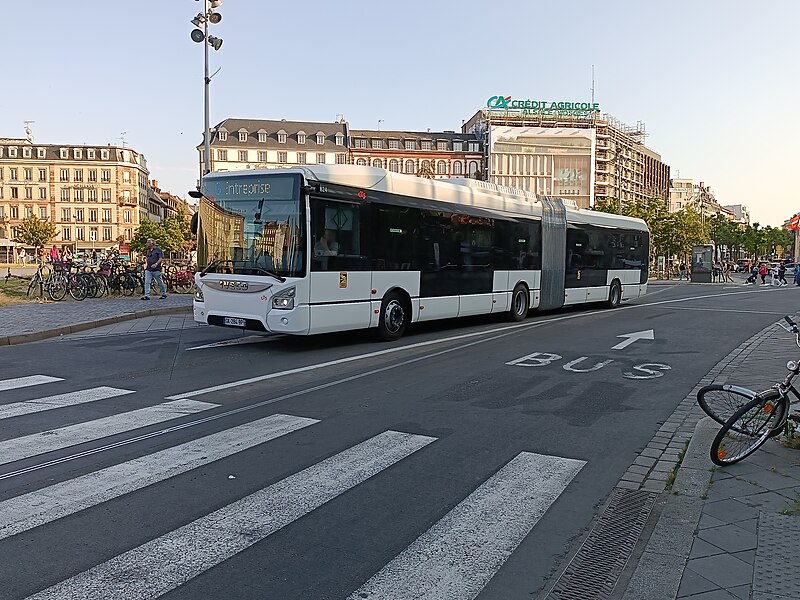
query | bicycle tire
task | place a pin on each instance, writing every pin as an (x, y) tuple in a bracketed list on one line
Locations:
[(57, 288), (128, 286), (36, 282), (721, 401), (748, 429), (77, 289)]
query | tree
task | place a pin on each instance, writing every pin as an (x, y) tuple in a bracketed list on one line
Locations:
[(147, 229), (35, 232), (173, 237)]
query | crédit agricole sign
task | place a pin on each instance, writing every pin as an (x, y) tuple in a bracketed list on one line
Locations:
[(542, 107)]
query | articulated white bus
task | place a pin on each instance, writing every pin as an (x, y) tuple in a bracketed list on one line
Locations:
[(317, 249)]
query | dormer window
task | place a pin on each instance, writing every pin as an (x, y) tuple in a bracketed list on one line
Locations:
[(64, 153), (223, 135), (339, 139), (426, 145), (242, 135), (40, 153), (12, 152), (281, 137), (262, 136), (320, 137), (409, 145), (377, 144), (76, 153), (90, 153), (301, 137), (441, 145), (26, 152), (457, 145), (104, 154)]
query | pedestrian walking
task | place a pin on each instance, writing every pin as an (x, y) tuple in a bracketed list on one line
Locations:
[(55, 255), (762, 271), (753, 275), (23, 256), (682, 272), (155, 257), (782, 274), (94, 256), (727, 273), (773, 271)]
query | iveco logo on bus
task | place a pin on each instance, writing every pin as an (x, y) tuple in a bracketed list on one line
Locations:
[(232, 286)]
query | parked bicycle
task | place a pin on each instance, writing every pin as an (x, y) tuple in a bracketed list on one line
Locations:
[(749, 418)]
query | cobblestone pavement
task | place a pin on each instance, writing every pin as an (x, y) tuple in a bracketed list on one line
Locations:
[(33, 321), (171, 322), (724, 533)]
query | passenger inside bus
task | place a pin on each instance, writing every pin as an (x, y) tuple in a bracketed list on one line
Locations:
[(327, 244)]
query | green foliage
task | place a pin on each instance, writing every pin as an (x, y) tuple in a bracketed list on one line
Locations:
[(168, 234), (35, 232)]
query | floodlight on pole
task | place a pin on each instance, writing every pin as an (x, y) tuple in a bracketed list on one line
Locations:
[(214, 17), (215, 42)]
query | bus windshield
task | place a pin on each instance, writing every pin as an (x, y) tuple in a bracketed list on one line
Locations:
[(251, 225)]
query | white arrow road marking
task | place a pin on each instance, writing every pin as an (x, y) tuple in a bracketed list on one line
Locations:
[(250, 339), (632, 337)]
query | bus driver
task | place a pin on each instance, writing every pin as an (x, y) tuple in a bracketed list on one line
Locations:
[(327, 244)]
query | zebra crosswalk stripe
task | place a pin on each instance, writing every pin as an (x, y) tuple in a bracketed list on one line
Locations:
[(161, 565), (59, 401), (55, 439), (456, 558), (59, 500), (21, 382)]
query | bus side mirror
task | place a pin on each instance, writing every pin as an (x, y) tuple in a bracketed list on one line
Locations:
[(194, 222)]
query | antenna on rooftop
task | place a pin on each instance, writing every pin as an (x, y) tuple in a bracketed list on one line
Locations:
[(592, 84), (122, 135)]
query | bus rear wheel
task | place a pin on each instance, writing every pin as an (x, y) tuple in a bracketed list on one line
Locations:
[(614, 295), (520, 302), (394, 317)]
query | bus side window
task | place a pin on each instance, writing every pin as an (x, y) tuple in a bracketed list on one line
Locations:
[(335, 241)]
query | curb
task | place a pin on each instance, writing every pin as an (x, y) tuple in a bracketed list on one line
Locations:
[(36, 336), (660, 568)]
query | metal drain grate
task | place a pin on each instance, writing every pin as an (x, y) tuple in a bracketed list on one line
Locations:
[(593, 572)]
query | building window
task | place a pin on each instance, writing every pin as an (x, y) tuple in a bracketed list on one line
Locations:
[(301, 137), (126, 215), (64, 175), (65, 215), (320, 158), (79, 195), (12, 152), (474, 147), (28, 174), (104, 154), (40, 153), (78, 174), (91, 195), (393, 165), (242, 155), (441, 168), (457, 168), (361, 162), (320, 138), (262, 137), (106, 175), (361, 142), (262, 156), (377, 144), (106, 215), (301, 158), (65, 234), (473, 168), (242, 136), (1, 173), (92, 175), (441, 145), (42, 212), (341, 159), (15, 192), (106, 234), (282, 157), (223, 136), (339, 139), (106, 195), (426, 145), (28, 193), (90, 154), (281, 137), (410, 145), (222, 155), (93, 234), (394, 144), (26, 152), (42, 175), (43, 193), (28, 211), (15, 212), (13, 174), (458, 145), (378, 163), (410, 167), (64, 153), (65, 195)]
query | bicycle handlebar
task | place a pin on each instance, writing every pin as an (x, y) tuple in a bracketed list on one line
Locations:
[(792, 324)]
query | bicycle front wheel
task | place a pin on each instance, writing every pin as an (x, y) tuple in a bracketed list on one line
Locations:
[(748, 429), (720, 402)]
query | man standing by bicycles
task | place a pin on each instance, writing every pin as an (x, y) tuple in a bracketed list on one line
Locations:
[(155, 257)]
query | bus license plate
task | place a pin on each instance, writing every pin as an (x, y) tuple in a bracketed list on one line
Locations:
[(234, 321)]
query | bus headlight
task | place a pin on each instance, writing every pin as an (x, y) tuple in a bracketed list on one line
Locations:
[(284, 300), (198, 295)]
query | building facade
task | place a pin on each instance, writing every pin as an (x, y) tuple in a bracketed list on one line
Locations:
[(263, 144), (94, 195), (436, 155)]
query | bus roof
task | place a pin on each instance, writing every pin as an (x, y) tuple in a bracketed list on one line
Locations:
[(459, 192)]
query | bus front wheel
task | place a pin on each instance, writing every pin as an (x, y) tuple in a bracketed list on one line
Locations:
[(520, 302), (394, 317), (614, 295)]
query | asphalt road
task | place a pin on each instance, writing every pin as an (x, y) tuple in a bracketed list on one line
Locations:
[(465, 461)]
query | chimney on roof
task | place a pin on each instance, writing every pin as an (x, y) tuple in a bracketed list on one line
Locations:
[(154, 184)]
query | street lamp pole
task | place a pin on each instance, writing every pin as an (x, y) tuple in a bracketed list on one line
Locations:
[(206, 84)]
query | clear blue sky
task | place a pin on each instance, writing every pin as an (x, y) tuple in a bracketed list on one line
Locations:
[(715, 81)]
